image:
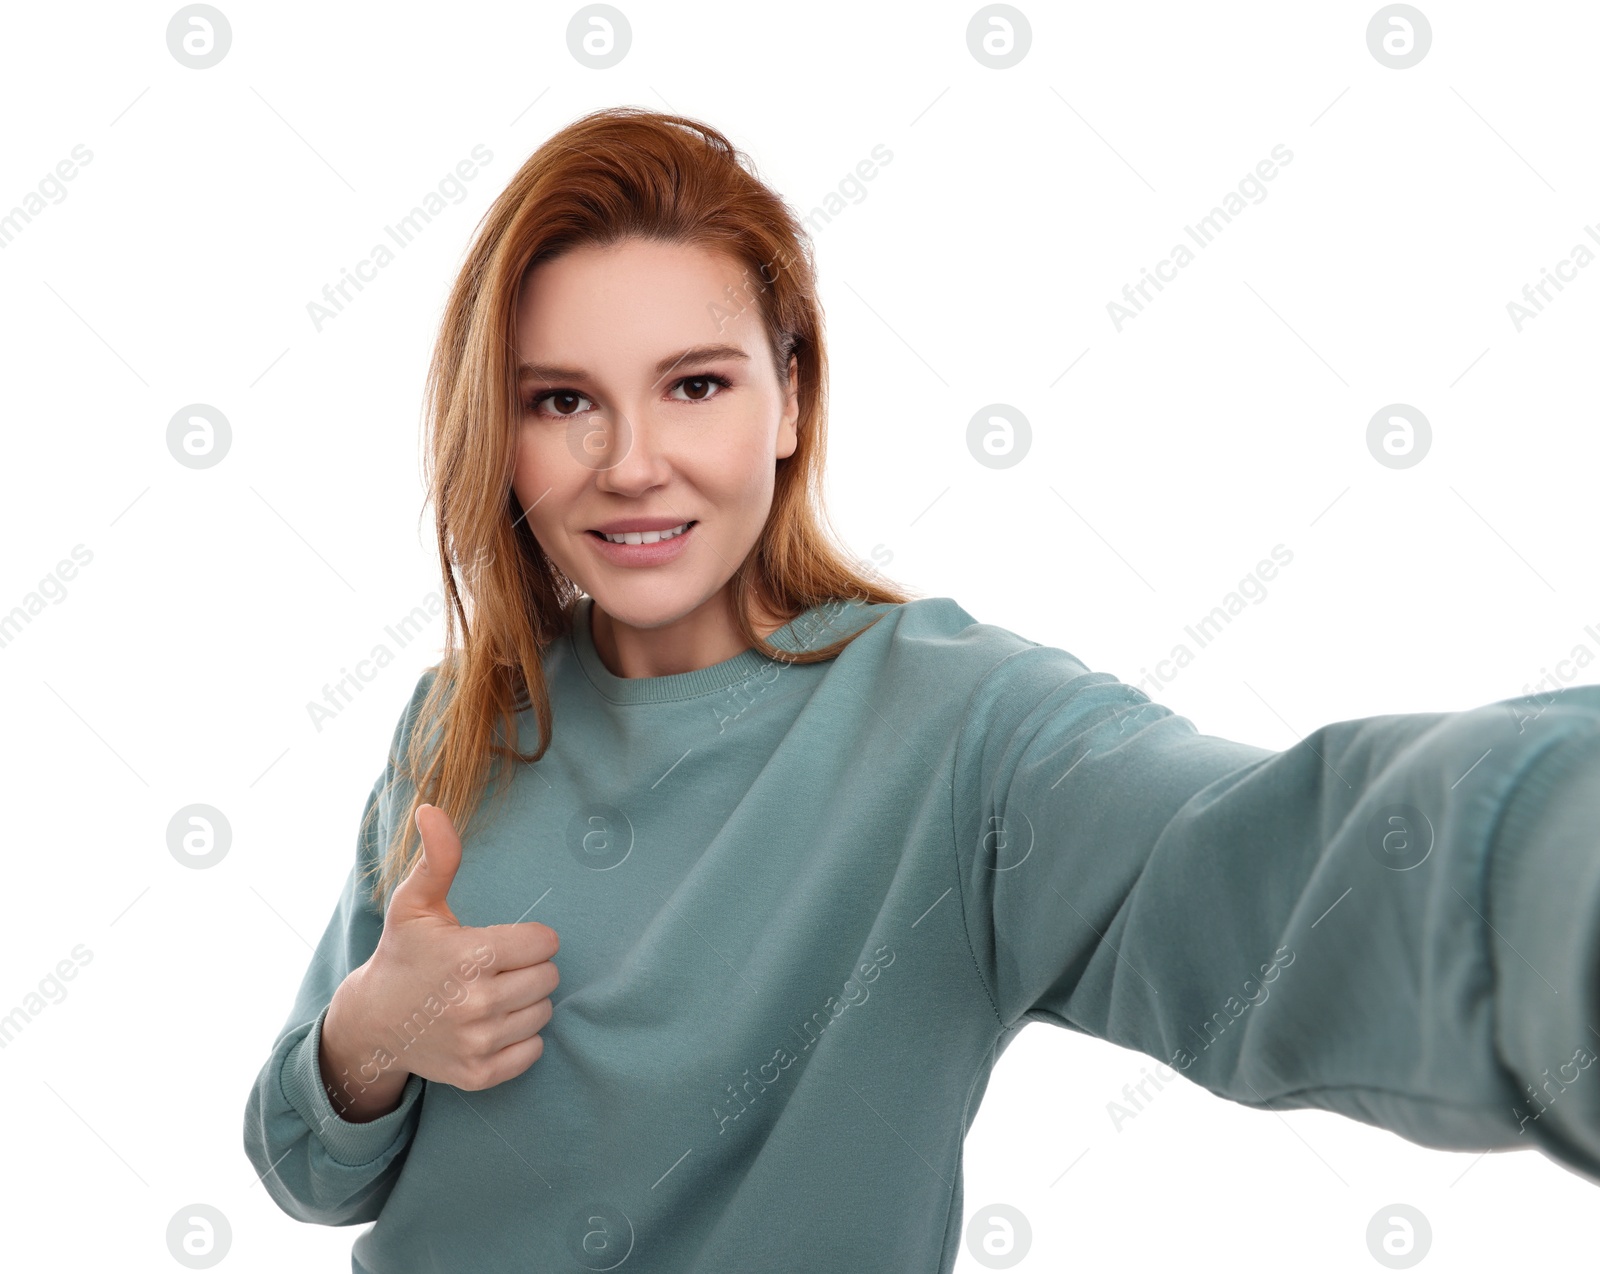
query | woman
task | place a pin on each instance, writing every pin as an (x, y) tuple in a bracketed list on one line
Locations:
[(814, 850)]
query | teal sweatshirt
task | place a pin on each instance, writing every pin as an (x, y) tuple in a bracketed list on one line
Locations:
[(803, 909)]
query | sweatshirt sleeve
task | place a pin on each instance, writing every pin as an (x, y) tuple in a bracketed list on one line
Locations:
[(1396, 919), (317, 1166)]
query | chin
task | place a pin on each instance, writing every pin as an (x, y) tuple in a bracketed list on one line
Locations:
[(648, 606)]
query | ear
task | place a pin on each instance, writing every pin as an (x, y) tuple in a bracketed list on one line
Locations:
[(788, 434)]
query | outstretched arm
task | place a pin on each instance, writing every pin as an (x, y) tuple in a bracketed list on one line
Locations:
[(1397, 918)]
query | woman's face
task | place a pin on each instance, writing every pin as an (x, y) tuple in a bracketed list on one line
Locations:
[(647, 399)]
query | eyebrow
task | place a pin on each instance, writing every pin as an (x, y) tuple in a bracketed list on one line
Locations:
[(694, 354)]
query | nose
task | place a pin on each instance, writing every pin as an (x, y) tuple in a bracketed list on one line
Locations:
[(627, 453)]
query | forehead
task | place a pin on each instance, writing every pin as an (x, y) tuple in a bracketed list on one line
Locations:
[(638, 295)]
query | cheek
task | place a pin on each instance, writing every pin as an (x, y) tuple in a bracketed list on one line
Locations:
[(759, 479), (738, 486), (523, 468), (746, 470), (535, 465), (531, 476)]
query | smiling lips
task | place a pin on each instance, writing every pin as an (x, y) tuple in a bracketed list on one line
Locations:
[(642, 535), (643, 541)]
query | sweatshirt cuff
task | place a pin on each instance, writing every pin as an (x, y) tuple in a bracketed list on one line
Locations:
[(347, 1143), (1544, 909)]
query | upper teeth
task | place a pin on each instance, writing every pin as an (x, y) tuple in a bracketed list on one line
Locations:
[(646, 537)]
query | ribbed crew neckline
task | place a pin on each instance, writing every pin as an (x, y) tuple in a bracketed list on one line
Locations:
[(806, 630)]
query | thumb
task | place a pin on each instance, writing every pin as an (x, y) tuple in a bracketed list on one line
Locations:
[(427, 884)]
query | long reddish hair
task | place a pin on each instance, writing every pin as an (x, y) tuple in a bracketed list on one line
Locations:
[(612, 174)]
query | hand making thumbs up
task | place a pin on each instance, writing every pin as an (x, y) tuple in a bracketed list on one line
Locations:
[(495, 982)]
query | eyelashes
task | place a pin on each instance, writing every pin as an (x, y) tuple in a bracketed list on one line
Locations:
[(532, 404)]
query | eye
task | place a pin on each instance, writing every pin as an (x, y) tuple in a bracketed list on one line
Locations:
[(568, 398), (703, 391)]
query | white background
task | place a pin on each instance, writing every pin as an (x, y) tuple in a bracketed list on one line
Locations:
[(1228, 417)]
